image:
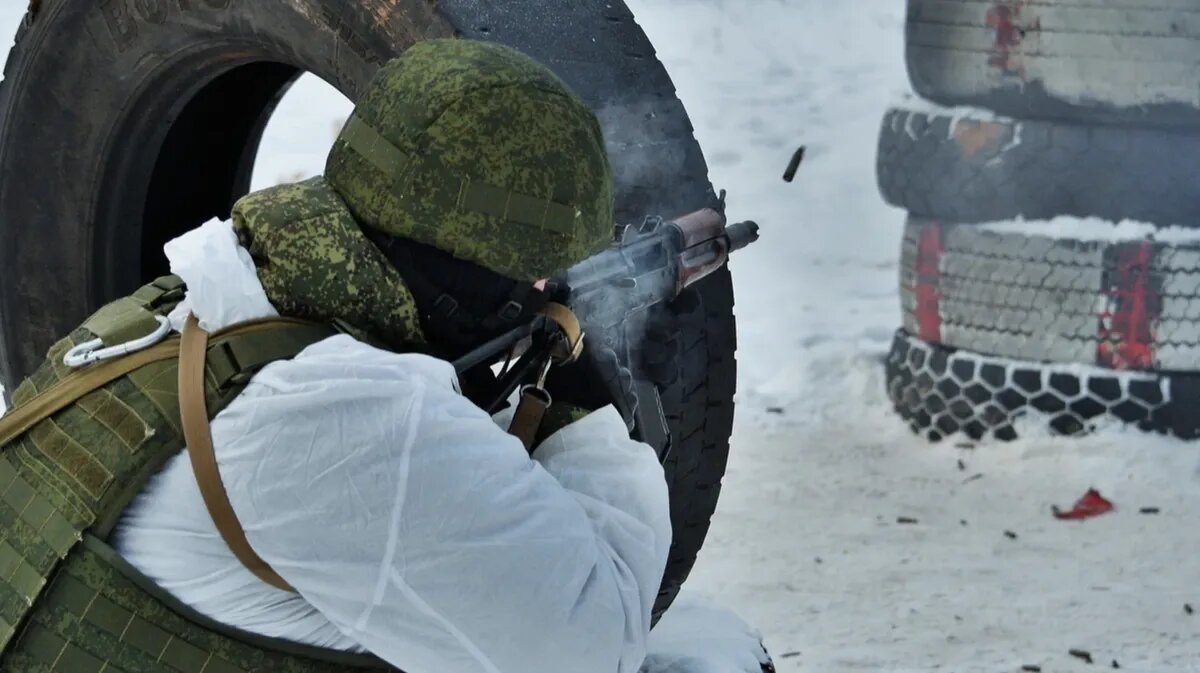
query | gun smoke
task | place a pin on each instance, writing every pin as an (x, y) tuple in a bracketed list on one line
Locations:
[(660, 171), (655, 159)]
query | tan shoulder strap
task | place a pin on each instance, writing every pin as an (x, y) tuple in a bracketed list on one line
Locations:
[(75, 385), (193, 412), (527, 419), (84, 380)]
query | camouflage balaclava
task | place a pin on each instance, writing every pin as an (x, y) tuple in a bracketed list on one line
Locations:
[(475, 149)]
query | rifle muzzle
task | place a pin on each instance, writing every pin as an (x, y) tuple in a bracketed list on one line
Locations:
[(741, 234)]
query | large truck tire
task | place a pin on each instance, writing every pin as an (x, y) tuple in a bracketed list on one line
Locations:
[(968, 167), (943, 392), (124, 123), (1125, 304), (1133, 63)]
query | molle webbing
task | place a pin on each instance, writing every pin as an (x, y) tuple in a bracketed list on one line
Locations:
[(83, 444), (101, 617), (472, 195)]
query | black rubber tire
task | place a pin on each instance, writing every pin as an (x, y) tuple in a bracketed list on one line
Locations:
[(1132, 304), (963, 169), (126, 122), (943, 392), (1080, 60)]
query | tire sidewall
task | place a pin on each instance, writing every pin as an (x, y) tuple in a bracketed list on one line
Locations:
[(63, 109)]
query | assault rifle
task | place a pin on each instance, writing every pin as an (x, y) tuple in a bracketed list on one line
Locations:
[(614, 294)]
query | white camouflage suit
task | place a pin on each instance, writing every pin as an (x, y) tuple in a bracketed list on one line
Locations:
[(411, 524)]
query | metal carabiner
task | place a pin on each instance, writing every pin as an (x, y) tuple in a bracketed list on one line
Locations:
[(91, 351), (545, 371)]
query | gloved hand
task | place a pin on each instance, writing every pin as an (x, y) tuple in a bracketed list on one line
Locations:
[(660, 350), (598, 379), (617, 381)]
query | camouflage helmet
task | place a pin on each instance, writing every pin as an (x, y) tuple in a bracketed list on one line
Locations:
[(477, 150)]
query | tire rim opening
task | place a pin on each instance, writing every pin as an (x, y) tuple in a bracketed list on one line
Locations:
[(300, 133), (248, 128)]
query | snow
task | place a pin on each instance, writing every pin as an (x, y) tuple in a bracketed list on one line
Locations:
[(806, 544), (913, 103), (1094, 229), (698, 636), (300, 133)]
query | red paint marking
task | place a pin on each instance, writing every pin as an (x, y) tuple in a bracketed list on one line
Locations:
[(1004, 17), (1090, 505), (929, 272), (1127, 329)]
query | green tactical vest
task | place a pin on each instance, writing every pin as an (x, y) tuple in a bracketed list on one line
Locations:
[(68, 602)]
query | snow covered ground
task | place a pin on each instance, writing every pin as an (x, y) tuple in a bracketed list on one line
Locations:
[(807, 542)]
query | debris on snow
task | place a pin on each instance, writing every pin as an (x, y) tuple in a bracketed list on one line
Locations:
[(1092, 504), (906, 520), (1083, 655), (1149, 510), (1010, 535)]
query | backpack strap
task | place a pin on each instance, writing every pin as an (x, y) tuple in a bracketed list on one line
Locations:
[(193, 413)]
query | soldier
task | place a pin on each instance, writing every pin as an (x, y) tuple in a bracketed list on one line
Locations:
[(353, 500)]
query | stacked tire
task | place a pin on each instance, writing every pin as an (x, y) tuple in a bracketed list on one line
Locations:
[(1034, 112)]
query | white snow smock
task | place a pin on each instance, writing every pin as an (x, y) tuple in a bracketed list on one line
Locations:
[(411, 524)]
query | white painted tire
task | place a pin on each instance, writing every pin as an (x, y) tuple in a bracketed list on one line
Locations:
[(1132, 304), (1135, 62)]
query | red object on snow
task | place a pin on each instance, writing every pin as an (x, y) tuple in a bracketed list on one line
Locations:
[(1090, 505)]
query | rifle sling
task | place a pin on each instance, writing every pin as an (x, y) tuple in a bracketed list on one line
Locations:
[(193, 412), (535, 401), (527, 419)]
